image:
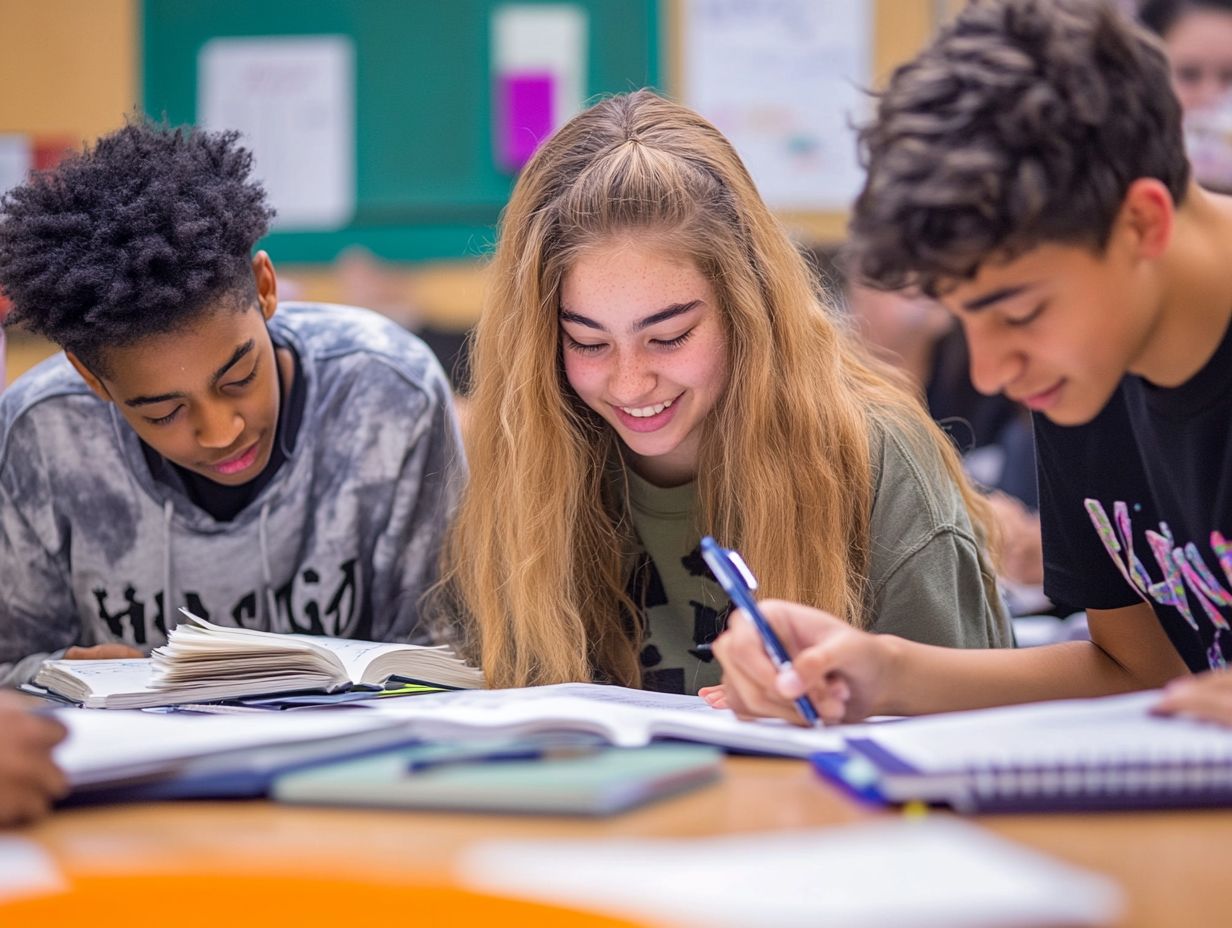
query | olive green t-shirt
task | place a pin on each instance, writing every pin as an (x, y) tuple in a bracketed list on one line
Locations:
[(928, 580)]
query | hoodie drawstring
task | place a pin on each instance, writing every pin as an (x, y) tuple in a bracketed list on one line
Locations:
[(169, 612), (267, 593)]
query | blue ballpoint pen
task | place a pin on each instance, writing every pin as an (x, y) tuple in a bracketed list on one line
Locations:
[(739, 583)]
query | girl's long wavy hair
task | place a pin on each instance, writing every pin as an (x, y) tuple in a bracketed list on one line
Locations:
[(538, 557)]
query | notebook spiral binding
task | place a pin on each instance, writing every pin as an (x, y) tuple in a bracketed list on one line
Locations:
[(1113, 784)]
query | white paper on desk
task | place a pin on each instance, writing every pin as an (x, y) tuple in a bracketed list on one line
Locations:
[(625, 717), (26, 870), (106, 744), (1110, 729), (932, 872)]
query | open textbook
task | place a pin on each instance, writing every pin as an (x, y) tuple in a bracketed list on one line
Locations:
[(621, 716), (188, 753), (203, 662)]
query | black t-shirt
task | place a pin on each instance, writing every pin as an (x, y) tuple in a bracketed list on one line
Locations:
[(1134, 506), (222, 502)]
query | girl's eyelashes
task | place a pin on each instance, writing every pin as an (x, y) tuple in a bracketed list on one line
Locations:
[(580, 348), (675, 342)]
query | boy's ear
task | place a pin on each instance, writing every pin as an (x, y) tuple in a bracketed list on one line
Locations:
[(267, 283), (1148, 212), (95, 385)]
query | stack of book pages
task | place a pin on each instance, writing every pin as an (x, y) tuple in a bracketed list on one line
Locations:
[(203, 662)]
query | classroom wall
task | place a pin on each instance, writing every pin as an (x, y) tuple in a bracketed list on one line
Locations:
[(68, 68), (71, 69)]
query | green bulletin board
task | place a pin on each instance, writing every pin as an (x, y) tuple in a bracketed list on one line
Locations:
[(427, 184)]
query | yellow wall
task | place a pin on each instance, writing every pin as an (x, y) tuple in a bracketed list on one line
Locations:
[(68, 73), (68, 68)]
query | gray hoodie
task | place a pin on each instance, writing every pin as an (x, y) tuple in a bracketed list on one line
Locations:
[(343, 541)]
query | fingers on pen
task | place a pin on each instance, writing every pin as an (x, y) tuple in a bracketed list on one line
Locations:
[(750, 698), (741, 646), (832, 711)]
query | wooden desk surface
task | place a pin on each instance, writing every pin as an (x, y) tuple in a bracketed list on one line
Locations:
[(1172, 866)]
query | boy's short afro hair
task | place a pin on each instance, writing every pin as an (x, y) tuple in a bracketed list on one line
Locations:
[(131, 237), (1023, 123)]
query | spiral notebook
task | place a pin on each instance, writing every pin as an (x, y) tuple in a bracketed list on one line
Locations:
[(1068, 755)]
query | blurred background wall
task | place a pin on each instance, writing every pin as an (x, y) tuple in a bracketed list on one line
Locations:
[(389, 132)]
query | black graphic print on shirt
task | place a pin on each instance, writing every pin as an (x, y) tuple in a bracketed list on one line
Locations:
[(301, 606), (647, 590)]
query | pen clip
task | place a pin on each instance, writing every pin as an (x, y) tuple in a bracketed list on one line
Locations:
[(728, 568), (745, 574)]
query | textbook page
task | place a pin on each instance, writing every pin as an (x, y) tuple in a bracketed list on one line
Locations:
[(135, 683), (928, 873), (1109, 729), (103, 678), (625, 717), (355, 655), (626, 696), (103, 746), (198, 651)]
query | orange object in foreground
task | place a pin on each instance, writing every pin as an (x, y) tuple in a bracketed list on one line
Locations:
[(208, 900)]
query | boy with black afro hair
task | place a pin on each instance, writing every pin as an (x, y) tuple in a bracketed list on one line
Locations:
[(290, 471), (1027, 169)]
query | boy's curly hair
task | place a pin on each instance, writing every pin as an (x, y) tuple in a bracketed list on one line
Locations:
[(131, 237), (1024, 122)]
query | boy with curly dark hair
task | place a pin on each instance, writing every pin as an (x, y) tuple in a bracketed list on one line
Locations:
[(1027, 169), (290, 472)]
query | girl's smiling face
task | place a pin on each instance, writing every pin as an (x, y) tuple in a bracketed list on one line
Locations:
[(644, 347)]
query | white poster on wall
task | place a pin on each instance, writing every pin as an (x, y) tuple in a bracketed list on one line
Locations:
[(16, 159), (293, 99), (784, 80)]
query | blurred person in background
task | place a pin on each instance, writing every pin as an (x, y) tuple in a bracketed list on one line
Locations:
[(1197, 36), (367, 280), (992, 433)]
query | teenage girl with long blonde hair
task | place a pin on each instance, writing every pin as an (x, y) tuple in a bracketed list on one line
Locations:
[(654, 363)]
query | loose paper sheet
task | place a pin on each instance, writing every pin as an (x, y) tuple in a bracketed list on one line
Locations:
[(933, 872)]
